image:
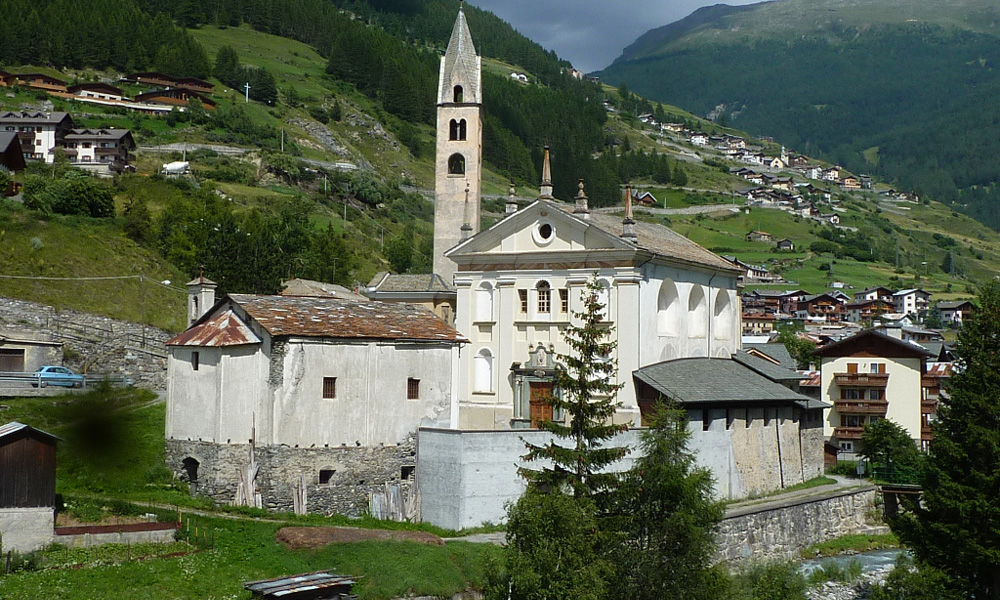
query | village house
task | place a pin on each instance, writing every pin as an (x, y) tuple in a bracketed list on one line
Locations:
[(813, 172), (871, 376), (103, 151), (328, 391), (785, 244), (167, 81), (41, 81), (824, 307), (911, 301), (645, 199), (955, 311), (783, 183), (758, 236), (752, 273), (831, 174), (864, 311), (850, 183), (177, 96), (7, 79), (758, 322), (98, 91), (11, 155), (874, 293), (699, 139), (40, 133), (429, 291)]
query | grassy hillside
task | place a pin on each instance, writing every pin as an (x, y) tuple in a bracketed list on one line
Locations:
[(900, 89)]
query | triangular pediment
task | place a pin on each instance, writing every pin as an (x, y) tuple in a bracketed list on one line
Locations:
[(541, 227)]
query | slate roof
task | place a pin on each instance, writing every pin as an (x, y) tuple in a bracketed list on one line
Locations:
[(224, 329), (409, 282), (460, 56), (893, 348), (93, 134), (766, 368), (775, 350), (314, 316), (50, 118), (943, 305), (663, 241), (717, 381), (308, 287)]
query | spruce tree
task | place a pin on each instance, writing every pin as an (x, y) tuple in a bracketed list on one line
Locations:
[(956, 526), (588, 399)]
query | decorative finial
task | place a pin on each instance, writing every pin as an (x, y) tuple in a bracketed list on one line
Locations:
[(582, 208), (546, 187), (628, 223), (511, 206), (466, 226)]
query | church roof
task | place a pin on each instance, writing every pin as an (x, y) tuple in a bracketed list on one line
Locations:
[(460, 59), (224, 329), (308, 287), (314, 316), (664, 241), (409, 282)]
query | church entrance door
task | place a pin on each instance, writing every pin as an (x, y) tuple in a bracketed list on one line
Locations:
[(541, 393)]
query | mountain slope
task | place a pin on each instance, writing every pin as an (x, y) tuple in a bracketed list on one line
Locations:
[(903, 89)]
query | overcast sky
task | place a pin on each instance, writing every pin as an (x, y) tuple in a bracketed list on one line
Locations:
[(591, 33)]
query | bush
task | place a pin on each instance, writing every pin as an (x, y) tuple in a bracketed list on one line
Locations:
[(769, 581)]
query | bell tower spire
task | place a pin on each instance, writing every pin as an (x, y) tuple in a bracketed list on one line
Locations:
[(458, 165)]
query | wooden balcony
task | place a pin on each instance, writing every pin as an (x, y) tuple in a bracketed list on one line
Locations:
[(848, 433), (861, 407), (867, 380)]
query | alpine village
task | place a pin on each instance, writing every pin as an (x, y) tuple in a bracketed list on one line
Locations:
[(380, 299)]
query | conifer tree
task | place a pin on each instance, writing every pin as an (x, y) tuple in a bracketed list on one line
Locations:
[(588, 399), (956, 526)]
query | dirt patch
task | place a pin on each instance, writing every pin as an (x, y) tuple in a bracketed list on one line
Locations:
[(295, 538)]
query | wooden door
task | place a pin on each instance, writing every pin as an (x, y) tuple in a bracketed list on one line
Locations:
[(11, 360), (541, 409)]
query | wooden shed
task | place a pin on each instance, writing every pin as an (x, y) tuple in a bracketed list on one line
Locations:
[(27, 467)]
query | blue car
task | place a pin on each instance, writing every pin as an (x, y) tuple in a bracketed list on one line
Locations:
[(54, 375)]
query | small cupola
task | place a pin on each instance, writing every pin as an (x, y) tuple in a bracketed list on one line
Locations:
[(511, 206), (201, 297), (582, 208)]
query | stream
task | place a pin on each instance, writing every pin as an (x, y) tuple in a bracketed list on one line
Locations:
[(870, 561)]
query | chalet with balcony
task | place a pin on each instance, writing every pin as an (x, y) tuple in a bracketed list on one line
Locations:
[(874, 293), (102, 151), (825, 307), (955, 311), (850, 183), (40, 133), (871, 376), (163, 80), (911, 301), (867, 310), (177, 96)]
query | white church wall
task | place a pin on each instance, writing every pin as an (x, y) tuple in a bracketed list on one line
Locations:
[(371, 406)]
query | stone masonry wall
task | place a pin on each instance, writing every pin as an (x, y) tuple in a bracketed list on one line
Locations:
[(782, 531), (356, 472), (100, 344)]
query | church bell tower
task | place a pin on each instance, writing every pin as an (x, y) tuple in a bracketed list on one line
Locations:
[(459, 159)]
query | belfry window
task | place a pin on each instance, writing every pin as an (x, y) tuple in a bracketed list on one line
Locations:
[(459, 95), (456, 164), (457, 130)]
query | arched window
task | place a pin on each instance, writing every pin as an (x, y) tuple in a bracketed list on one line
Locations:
[(484, 371), (191, 468), (456, 164), (544, 297), (484, 303), (668, 309), (457, 130), (697, 312), (459, 95), (723, 325)]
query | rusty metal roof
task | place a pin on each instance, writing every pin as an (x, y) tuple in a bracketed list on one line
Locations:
[(224, 329), (315, 316), (308, 585)]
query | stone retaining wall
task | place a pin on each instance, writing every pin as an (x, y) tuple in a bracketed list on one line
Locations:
[(85, 537), (781, 531), (354, 473), (112, 346)]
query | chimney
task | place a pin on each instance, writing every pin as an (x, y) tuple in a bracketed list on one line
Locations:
[(582, 209), (201, 297), (511, 206), (546, 187), (628, 223)]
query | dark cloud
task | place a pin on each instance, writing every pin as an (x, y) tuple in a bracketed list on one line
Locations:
[(591, 33)]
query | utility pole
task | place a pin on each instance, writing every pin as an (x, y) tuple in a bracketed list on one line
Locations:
[(246, 86), (282, 140)]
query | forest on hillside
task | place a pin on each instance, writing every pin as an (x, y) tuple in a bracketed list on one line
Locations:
[(912, 104)]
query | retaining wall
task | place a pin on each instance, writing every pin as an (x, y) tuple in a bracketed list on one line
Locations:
[(96, 535)]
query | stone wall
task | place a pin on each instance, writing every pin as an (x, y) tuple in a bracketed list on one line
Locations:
[(781, 531), (353, 472), (99, 344)]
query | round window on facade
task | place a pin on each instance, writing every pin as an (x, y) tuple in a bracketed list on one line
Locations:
[(544, 233)]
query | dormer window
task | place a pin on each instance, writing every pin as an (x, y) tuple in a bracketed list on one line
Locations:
[(459, 95)]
